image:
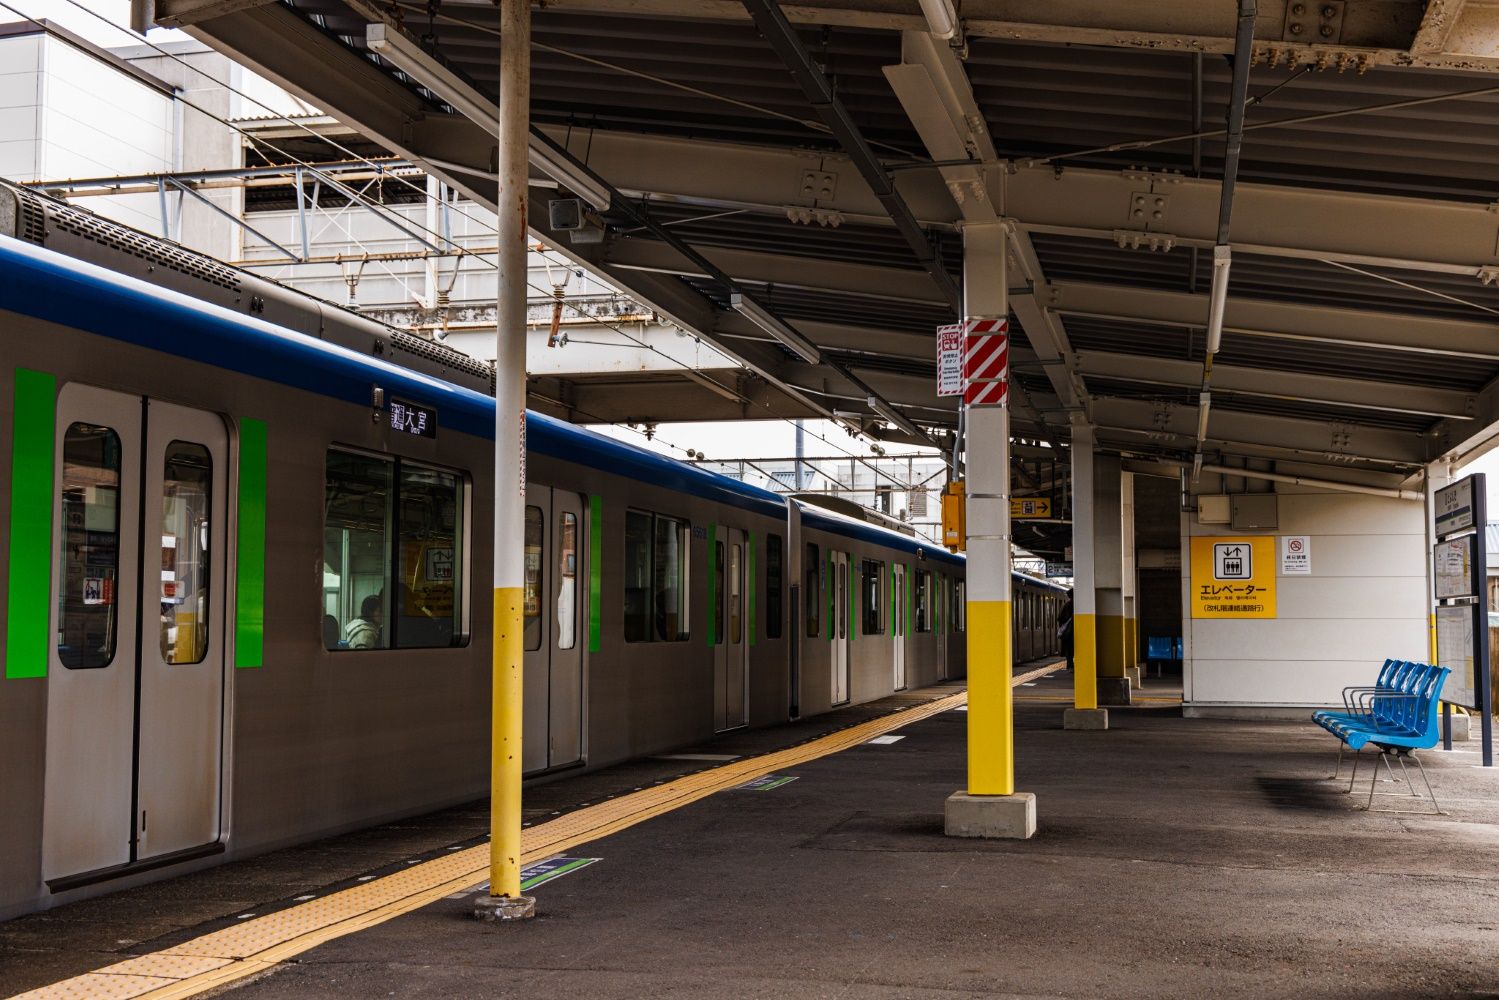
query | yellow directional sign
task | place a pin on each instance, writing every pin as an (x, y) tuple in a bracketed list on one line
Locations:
[(1233, 577), (1030, 507)]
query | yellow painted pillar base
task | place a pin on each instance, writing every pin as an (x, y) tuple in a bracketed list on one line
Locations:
[(991, 708), (1111, 646), (507, 694), (1084, 662)]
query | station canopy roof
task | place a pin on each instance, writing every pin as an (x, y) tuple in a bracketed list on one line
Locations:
[(1360, 326)]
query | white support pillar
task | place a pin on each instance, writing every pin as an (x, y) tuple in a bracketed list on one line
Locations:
[(990, 806), (1108, 584), (1084, 713), (504, 900)]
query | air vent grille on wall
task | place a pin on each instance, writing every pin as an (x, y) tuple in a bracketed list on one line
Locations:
[(456, 360), (147, 248)]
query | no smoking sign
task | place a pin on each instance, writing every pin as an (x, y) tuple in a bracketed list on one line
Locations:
[(1296, 555)]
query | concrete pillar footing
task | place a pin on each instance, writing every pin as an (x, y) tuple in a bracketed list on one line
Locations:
[(1083, 719), (504, 909), (994, 817), (1460, 728), (1114, 691), (1133, 673)]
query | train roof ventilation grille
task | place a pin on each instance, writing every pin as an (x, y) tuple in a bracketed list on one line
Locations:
[(432, 351), (147, 248), (33, 227)]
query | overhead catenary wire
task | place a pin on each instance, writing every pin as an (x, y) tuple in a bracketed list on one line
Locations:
[(380, 209)]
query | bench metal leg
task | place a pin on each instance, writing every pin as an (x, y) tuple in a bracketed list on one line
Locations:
[(1435, 805), (1338, 768), (1353, 777), (1404, 774), (1400, 756)]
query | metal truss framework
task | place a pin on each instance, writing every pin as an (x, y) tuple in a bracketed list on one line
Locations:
[(1437, 256)]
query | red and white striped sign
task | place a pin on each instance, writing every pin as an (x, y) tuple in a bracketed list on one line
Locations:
[(986, 362)]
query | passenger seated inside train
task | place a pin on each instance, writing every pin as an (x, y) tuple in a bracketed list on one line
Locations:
[(364, 632)]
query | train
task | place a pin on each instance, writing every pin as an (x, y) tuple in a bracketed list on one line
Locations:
[(241, 555)]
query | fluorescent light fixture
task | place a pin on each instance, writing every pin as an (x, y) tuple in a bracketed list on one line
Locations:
[(773, 325), (1221, 262), (887, 411), (400, 51), (941, 17), (1204, 406)]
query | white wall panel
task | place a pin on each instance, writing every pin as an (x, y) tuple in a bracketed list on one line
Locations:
[(1365, 600)]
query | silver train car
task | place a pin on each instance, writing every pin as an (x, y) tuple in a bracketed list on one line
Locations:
[(240, 562)]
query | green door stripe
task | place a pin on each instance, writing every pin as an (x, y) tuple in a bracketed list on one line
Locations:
[(28, 604), (595, 572), (752, 584), (712, 584), (249, 587)]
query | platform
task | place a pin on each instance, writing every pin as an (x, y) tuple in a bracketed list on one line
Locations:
[(1176, 857)]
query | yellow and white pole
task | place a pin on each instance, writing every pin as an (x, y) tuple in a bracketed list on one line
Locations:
[(990, 806), (1085, 713), (504, 901)]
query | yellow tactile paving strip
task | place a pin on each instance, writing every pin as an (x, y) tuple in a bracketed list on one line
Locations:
[(259, 943)]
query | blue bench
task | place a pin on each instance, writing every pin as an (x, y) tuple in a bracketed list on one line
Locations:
[(1396, 715), (1162, 649)]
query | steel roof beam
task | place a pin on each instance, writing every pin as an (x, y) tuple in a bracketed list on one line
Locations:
[(1384, 330), (892, 284), (782, 37), (1232, 430), (1385, 397)]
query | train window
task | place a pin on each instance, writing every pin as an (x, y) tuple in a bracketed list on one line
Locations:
[(673, 544), (535, 539), (656, 580), (736, 594), (357, 514), (842, 610), (812, 569), (637, 576), (394, 550), (567, 582), (923, 600), (429, 554), (90, 539), (773, 561), (874, 597), (186, 502)]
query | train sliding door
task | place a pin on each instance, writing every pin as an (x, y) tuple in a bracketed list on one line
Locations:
[(730, 672), (838, 624), (898, 623), (135, 696), (181, 629), (553, 613)]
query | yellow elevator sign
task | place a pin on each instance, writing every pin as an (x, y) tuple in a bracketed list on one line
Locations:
[(1030, 507), (1233, 577)]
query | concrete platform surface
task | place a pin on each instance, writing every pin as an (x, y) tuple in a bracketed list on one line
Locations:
[(1174, 858)]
